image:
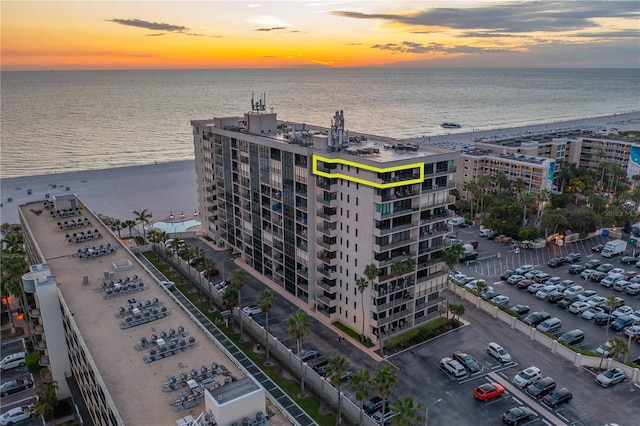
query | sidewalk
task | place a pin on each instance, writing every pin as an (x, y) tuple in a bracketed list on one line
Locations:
[(371, 352)]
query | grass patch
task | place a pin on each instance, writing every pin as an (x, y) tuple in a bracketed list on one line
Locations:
[(350, 332), (309, 404), (6, 334)]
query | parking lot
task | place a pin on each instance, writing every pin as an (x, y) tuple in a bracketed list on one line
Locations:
[(22, 397), (490, 266)]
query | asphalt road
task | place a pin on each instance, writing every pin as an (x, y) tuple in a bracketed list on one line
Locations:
[(24, 397), (491, 265)]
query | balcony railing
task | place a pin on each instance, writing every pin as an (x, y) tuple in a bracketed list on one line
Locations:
[(327, 230), (329, 202), (378, 232), (449, 199), (35, 313), (327, 272), (394, 244), (327, 287), (393, 317), (327, 301), (327, 245)]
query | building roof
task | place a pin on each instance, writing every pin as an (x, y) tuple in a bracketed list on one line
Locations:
[(135, 386)]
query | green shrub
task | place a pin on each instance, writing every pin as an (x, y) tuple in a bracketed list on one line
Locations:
[(421, 334), (31, 360)]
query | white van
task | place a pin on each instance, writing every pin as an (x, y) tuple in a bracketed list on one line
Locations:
[(12, 361), (552, 325), (456, 221)]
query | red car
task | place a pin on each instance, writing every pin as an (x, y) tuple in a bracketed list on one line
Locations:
[(473, 243), (488, 391)]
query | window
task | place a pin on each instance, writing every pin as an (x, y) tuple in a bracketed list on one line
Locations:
[(420, 301), (354, 317), (432, 309), (433, 296), (357, 198)]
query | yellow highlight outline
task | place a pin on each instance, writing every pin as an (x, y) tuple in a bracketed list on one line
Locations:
[(316, 172)]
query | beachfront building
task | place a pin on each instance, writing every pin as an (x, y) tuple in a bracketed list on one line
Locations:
[(525, 172), (310, 208), (112, 337)]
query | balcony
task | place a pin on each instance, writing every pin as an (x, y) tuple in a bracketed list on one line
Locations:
[(393, 317), (432, 233), (38, 329), (403, 256), (41, 345), (394, 244), (394, 303), (210, 188), (327, 301), (432, 276), (35, 313), (44, 361), (329, 244), (328, 258), (395, 213), (328, 286), (46, 375), (436, 218), (331, 201), (325, 183), (396, 195), (432, 248), (327, 230), (327, 272), (379, 232), (448, 200), (326, 214)]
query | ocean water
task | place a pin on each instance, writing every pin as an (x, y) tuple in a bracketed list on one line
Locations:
[(60, 121)]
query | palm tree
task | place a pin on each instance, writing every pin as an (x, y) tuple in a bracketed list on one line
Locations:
[(525, 198), (384, 380), (46, 400), (362, 284), (457, 309), (618, 347), (451, 257), (14, 265), (129, 224), (299, 324), (481, 287), (407, 412), (143, 217), (362, 386), (266, 301), (236, 280), (116, 226), (336, 367), (13, 242)]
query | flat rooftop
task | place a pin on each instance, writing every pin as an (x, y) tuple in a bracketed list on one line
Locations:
[(135, 386)]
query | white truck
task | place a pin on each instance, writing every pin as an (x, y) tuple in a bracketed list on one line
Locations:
[(614, 248)]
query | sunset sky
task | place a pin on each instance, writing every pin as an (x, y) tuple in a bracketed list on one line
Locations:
[(43, 35)]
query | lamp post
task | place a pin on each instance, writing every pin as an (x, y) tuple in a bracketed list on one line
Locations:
[(426, 413)]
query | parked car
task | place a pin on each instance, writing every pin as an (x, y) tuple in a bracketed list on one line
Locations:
[(595, 301), (605, 267), (597, 276), (533, 273), (566, 301), (621, 323), (556, 262), (632, 289), (501, 300), (573, 257), (252, 310), (533, 288), (541, 278), (633, 331), (15, 386), (617, 302), (592, 264), (622, 311), (558, 397), (586, 295), (485, 232), (536, 318), (12, 361), (597, 248), (551, 325), (452, 367), (628, 260), (309, 354), (488, 391), (574, 290), (576, 269), (524, 269), (473, 243), (578, 307), (527, 377), (388, 417), (604, 349), (555, 296), (590, 313), (489, 294), (542, 387), (469, 362), (16, 415), (506, 274), (498, 352), (611, 377), (621, 285), (517, 415), (601, 318), (515, 279), (520, 309), (586, 274), (373, 405), (524, 283), (572, 337)]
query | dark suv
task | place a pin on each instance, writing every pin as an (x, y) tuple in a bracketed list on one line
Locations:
[(542, 387), (556, 261), (536, 318), (573, 257), (576, 269)]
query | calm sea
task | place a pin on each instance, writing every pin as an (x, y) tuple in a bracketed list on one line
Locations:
[(61, 121)]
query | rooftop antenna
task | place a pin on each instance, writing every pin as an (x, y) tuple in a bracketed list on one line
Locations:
[(259, 105), (336, 134)]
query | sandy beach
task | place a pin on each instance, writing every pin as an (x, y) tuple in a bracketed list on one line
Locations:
[(171, 187), (159, 188)]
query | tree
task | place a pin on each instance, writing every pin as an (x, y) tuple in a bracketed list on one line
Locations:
[(130, 225), (14, 265), (13, 243), (116, 226), (46, 400), (619, 347), (451, 257), (298, 325), (266, 301), (457, 309), (525, 199), (481, 287), (143, 217), (555, 221), (385, 380), (236, 280), (361, 385), (335, 369), (407, 412), (362, 284)]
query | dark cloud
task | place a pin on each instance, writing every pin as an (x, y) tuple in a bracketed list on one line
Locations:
[(515, 17), (271, 29), (155, 35), (418, 48), (149, 25)]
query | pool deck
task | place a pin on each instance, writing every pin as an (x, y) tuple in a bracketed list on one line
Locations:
[(177, 219)]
